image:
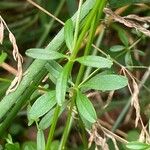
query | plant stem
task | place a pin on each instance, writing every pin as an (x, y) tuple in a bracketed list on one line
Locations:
[(98, 42), (87, 49), (98, 5), (52, 129), (21, 101), (68, 124), (77, 24)]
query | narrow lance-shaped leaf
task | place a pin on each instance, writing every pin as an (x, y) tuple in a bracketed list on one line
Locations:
[(3, 56), (117, 48), (68, 32), (123, 36), (43, 54), (128, 59), (42, 105), (136, 145), (85, 107), (48, 118), (54, 70), (61, 85), (106, 82), (95, 61), (40, 140)]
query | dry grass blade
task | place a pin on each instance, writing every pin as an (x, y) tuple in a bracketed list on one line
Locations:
[(129, 23), (137, 18), (134, 95), (16, 55), (97, 139), (19, 60), (135, 101), (102, 141), (45, 11), (1, 32)]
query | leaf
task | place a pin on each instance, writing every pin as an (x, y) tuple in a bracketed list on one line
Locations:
[(140, 52), (95, 61), (29, 146), (117, 48), (85, 108), (43, 54), (128, 59), (132, 135), (68, 32), (40, 140), (61, 85), (120, 3), (123, 36), (137, 145), (54, 70), (55, 145), (3, 56), (87, 124), (106, 82), (47, 119), (42, 105), (12, 146)]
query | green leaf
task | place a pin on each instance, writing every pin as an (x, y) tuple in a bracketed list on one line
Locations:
[(68, 32), (95, 61), (120, 3), (40, 140), (128, 59), (3, 56), (140, 52), (42, 105), (132, 135), (61, 85), (43, 54), (12, 146), (137, 145), (123, 36), (29, 146), (117, 48), (85, 108), (54, 70), (106, 82), (87, 124), (55, 145), (47, 119)]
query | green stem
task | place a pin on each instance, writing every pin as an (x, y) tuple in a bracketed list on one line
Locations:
[(68, 124), (92, 74), (77, 24), (87, 49), (52, 129), (98, 42), (98, 5), (21, 101), (84, 30)]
